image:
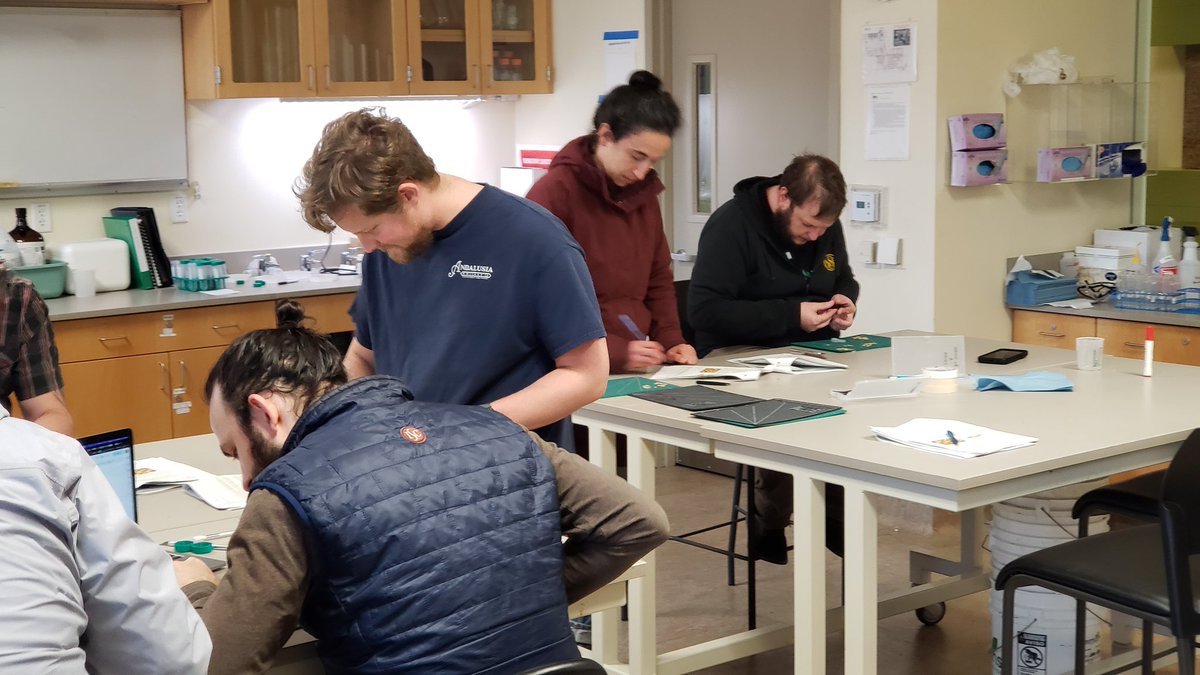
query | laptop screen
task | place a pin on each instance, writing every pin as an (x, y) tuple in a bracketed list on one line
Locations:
[(113, 453)]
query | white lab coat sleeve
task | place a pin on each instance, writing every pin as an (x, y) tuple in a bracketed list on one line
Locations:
[(139, 621)]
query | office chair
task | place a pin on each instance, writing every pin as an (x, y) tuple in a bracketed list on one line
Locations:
[(737, 513), (1144, 571), (575, 667), (1137, 497)]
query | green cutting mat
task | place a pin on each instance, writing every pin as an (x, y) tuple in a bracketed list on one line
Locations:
[(854, 343), (634, 385)]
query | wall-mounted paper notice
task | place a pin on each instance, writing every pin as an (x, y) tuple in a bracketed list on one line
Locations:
[(888, 112), (889, 53), (620, 57)]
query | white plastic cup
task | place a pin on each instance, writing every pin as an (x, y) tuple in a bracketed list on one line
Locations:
[(83, 282), (1089, 353)]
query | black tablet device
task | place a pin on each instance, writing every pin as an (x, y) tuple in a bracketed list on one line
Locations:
[(1003, 356)]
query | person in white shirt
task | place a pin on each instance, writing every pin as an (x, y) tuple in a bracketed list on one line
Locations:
[(84, 588)]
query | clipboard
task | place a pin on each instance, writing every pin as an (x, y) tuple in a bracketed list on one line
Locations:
[(696, 397), (769, 412), (634, 385)]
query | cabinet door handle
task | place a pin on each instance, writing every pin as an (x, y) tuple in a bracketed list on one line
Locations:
[(475, 68), (312, 78), (328, 76), (1136, 345), (115, 337), (1045, 334), (165, 378), (183, 376), (222, 326)]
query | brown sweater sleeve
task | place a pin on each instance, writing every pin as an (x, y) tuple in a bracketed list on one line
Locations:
[(256, 607), (609, 524)]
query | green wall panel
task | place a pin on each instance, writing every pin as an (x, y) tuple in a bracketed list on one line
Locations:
[(1175, 22)]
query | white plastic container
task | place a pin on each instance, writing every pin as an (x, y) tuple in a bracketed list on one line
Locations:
[(108, 257), (1189, 266)]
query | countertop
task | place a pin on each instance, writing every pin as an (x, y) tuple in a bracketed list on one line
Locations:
[(116, 303), (1105, 310)]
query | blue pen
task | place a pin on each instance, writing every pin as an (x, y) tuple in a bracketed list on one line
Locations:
[(632, 327), (950, 435)]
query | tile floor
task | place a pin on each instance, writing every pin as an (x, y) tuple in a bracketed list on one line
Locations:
[(695, 604)]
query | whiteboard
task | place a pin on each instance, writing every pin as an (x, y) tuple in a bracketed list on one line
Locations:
[(90, 97)]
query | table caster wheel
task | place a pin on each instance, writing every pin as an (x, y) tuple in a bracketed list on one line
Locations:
[(931, 614)]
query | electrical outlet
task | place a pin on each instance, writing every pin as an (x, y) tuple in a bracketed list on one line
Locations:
[(41, 218), (179, 212)]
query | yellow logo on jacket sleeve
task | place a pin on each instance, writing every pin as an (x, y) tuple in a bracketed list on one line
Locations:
[(829, 263)]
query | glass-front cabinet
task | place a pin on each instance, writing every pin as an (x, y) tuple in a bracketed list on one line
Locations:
[(335, 48), (480, 46), (361, 47), (295, 48)]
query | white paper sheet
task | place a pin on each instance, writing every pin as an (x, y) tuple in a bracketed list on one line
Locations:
[(889, 53), (705, 373), (888, 113), (620, 60)]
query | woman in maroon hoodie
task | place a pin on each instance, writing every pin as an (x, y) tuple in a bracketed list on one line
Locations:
[(604, 188)]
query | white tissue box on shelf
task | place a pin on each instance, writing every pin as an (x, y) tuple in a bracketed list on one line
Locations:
[(1106, 258)]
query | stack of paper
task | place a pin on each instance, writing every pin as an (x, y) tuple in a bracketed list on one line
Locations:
[(951, 437), (155, 474), (706, 373), (790, 363), (219, 492)]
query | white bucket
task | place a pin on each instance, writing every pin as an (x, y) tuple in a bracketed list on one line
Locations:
[(1043, 621), (1043, 640)]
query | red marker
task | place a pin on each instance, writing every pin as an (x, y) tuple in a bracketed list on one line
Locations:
[(1148, 353)]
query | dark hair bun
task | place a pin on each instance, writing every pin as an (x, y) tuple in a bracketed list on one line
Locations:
[(288, 313), (645, 79)]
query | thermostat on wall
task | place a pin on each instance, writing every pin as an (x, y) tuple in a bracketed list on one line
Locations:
[(864, 205)]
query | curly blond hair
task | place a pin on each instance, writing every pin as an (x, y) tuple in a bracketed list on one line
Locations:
[(361, 160)]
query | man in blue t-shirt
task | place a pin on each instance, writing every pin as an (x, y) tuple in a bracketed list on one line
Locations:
[(470, 295)]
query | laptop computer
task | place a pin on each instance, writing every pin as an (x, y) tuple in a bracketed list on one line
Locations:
[(113, 453)]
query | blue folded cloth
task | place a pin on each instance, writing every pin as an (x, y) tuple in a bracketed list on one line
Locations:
[(1036, 381)]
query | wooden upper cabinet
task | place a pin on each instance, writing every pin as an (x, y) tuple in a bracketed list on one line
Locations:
[(294, 48), (479, 46), (516, 47)]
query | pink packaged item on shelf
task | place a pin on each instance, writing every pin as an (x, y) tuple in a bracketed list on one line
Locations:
[(977, 131), (979, 167), (1059, 164)]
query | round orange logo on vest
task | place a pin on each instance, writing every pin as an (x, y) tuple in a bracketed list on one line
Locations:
[(828, 263), (413, 435)]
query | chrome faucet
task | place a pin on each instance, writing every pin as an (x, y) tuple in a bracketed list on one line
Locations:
[(262, 263), (311, 260), (352, 257)]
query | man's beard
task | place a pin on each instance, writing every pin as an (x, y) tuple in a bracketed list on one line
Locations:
[(403, 255), (261, 450), (783, 222)]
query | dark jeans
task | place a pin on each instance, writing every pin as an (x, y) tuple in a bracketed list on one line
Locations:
[(773, 506)]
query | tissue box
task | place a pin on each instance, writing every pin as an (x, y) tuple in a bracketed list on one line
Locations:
[(1028, 289), (1059, 164), (978, 167), (1117, 160), (1106, 258), (977, 131)]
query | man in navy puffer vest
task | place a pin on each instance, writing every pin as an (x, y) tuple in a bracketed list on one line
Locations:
[(408, 537)]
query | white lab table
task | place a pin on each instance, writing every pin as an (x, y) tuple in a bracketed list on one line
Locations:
[(1113, 421)]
